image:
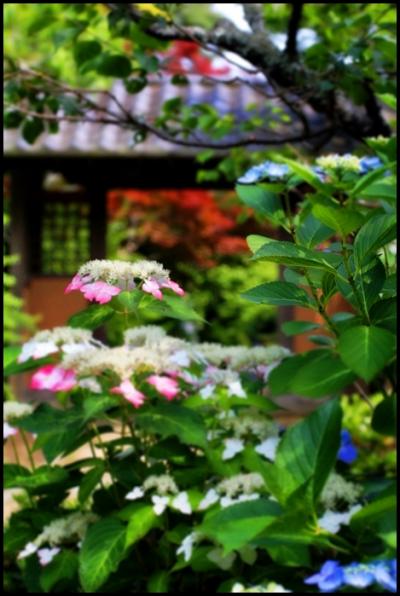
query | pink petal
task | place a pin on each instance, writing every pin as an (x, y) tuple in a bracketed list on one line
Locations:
[(99, 291), (167, 387), (128, 390), (172, 285), (75, 284), (151, 286), (53, 378)]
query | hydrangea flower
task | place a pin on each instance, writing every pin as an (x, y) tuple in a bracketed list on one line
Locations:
[(268, 169), (268, 447), (232, 447), (329, 578), (46, 555), (159, 504), (136, 493), (53, 378), (347, 452), (186, 547), (369, 163), (8, 430), (181, 503), (129, 391), (165, 385), (100, 292)]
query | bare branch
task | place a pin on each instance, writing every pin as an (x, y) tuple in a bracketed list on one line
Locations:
[(293, 27)]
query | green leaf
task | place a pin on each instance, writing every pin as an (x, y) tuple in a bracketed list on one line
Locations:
[(366, 350), (89, 482), (307, 453), (384, 417), (158, 583), (127, 301), (261, 200), (172, 306), (296, 327), (92, 317), (287, 253), (317, 373), (342, 220), (305, 173), (389, 99), (312, 232), (141, 521), (32, 129), (114, 65), (255, 241), (86, 50), (102, 551), (235, 526), (384, 314), (171, 419), (366, 180), (380, 190), (377, 232), (63, 569), (379, 517), (13, 367), (38, 479), (279, 293)]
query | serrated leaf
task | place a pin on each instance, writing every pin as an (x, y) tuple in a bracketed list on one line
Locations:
[(366, 350), (63, 568), (234, 526), (307, 453), (255, 241), (312, 232), (89, 482), (102, 551), (279, 293), (39, 478), (377, 232), (171, 419), (378, 517), (344, 221)]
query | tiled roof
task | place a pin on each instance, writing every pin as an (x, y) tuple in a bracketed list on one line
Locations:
[(106, 139)]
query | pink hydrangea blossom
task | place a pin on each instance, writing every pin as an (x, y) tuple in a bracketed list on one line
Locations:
[(151, 286), (75, 284), (53, 378), (129, 391), (8, 430), (172, 285), (165, 385), (99, 291)]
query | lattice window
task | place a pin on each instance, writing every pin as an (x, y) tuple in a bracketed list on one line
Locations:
[(65, 236)]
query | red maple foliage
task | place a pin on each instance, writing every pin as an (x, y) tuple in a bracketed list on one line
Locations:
[(189, 225)]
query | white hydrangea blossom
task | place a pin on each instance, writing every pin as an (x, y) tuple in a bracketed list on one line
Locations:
[(159, 504), (271, 588), (91, 384), (337, 490), (187, 544), (12, 410), (232, 448), (50, 341), (207, 391), (240, 357), (348, 162), (144, 335), (240, 484), (46, 555), (268, 448), (121, 273), (64, 529), (250, 422), (210, 498), (228, 501), (27, 551), (181, 503), (332, 520), (136, 493), (8, 430), (164, 484)]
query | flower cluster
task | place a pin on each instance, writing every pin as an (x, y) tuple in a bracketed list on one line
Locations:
[(100, 280), (238, 488), (347, 452), (166, 494), (67, 339), (333, 576), (332, 520), (266, 170), (12, 410), (337, 490), (346, 162), (271, 588)]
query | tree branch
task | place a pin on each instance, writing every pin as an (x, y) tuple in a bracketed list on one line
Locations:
[(255, 18), (293, 27)]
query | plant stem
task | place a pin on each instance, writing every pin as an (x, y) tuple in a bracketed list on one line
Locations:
[(28, 449), (15, 451), (364, 396), (320, 306), (107, 463), (361, 302)]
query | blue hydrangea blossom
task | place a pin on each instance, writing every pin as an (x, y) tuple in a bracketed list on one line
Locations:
[(268, 169), (347, 451)]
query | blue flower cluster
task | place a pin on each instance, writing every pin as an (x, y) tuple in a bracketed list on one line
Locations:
[(268, 169), (333, 576), (347, 452), (369, 163)]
